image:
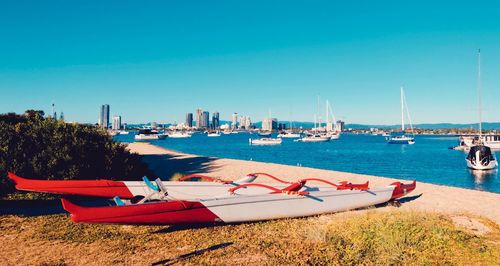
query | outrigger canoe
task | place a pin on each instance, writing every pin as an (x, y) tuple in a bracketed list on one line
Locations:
[(181, 189), (234, 207)]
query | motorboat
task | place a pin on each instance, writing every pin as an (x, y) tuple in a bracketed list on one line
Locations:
[(148, 134), (179, 135), (334, 135), (265, 141), (214, 134), (401, 137), (398, 138), (465, 142), (480, 157), (289, 135)]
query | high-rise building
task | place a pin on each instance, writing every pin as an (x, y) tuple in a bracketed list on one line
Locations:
[(234, 121), (189, 119), (117, 123), (61, 116), (205, 119), (340, 126), (54, 114), (104, 118), (199, 113), (215, 120), (248, 123), (269, 124)]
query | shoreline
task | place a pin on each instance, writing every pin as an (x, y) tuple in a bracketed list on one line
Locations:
[(426, 197)]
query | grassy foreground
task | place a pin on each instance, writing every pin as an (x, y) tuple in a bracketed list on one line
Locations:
[(366, 237)]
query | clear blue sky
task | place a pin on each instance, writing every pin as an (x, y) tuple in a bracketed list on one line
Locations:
[(157, 60)]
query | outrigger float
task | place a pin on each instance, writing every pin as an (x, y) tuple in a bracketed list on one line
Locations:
[(216, 201)]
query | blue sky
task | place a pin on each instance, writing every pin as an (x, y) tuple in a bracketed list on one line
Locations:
[(157, 60)]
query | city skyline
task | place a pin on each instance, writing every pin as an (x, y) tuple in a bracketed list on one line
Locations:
[(249, 58)]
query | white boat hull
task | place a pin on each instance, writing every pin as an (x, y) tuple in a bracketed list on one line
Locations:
[(243, 208), (265, 141)]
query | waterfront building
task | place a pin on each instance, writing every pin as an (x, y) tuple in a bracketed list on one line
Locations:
[(117, 123), (189, 120), (234, 121), (205, 119), (269, 124), (215, 120), (199, 113), (340, 126), (248, 123), (104, 118)]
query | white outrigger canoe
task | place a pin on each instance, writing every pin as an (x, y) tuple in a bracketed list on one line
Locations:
[(234, 207), (174, 202)]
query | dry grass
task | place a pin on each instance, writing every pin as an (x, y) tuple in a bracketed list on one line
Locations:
[(367, 237)]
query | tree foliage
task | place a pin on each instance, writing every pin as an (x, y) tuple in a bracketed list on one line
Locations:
[(40, 148)]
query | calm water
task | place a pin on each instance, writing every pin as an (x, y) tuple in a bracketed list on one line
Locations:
[(429, 160)]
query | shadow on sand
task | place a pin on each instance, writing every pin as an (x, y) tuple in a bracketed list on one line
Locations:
[(31, 207), (177, 259), (165, 166)]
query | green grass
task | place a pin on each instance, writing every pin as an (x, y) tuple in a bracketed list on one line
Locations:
[(351, 238)]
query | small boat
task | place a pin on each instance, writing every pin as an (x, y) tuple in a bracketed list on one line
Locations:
[(289, 135), (214, 134), (264, 133), (179, 135), (123, 132), (233, 207), (401, 137), (314, 138), (148, 134), (265, 141), (334, 135), (480, 157)]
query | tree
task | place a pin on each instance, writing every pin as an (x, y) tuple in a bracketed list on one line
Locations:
[(40, 148)]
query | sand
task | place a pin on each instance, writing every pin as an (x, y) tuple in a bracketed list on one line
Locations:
[(426, 197)]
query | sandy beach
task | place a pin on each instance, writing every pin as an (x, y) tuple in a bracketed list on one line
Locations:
[(427, 197)]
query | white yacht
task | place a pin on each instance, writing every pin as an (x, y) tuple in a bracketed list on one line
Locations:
[(401, 137), (148, 134), (214, 134), (265, 141), (288, 135), (179, 135), (480, 156)]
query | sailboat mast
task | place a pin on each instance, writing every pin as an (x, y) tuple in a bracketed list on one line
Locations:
[(479, 92), (402, 112)]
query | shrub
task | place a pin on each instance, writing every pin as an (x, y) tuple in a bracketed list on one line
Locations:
[(44, 148)]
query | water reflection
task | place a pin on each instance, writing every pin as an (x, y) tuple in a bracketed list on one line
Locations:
[(482, 176)]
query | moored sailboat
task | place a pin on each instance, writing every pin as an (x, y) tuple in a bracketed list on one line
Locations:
[(401, 137)]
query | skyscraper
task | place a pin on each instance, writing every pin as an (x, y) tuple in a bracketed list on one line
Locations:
[(104, 119), (234, 121), (54, 114), (199, 112), (205, 119), (269, 124), (117, 122), (215, 120), (189, 119)]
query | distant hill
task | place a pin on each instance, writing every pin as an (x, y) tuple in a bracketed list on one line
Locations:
[(486, 125)]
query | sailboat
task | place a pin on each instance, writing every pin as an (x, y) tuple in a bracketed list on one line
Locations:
[(331, 127), (480, 156), (289, 134), (401, 137)]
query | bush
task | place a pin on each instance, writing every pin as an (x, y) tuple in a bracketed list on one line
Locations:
[(40, 148)]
